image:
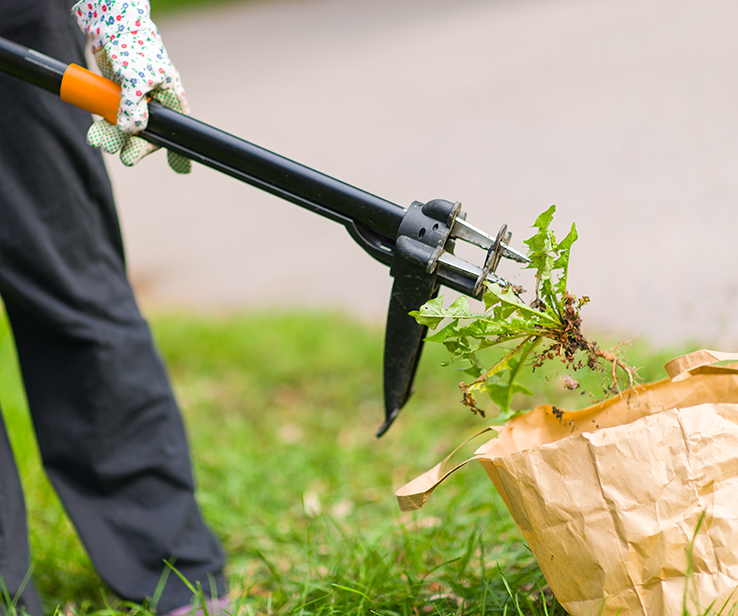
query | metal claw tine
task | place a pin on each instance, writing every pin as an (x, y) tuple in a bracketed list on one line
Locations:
[(469, 233), (511, 253)]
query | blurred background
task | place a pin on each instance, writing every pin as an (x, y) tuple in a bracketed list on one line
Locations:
[(622, 113)]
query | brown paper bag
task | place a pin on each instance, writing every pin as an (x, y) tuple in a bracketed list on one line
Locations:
[(609, 498)]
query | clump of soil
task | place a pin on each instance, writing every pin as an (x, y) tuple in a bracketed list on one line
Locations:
[(569, 340)]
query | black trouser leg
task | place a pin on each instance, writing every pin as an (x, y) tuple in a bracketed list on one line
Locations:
[(114, 447), (109, 430)]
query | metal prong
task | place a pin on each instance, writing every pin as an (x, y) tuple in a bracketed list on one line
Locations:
[(456, 264), (469, 233), (493, 259)]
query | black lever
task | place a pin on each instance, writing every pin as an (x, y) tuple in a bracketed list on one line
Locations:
[(424, 234)]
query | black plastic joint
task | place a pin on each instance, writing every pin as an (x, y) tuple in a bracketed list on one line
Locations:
[(423, 233), (442, 211), (418, 253)]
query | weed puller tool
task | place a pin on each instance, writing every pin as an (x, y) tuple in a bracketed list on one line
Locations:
[(417, 243)]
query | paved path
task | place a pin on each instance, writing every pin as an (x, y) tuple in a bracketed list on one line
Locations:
[(622, 112)]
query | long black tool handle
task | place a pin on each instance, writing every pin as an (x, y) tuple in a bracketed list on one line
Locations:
[(271, 172), (31, 66), (210, 146)]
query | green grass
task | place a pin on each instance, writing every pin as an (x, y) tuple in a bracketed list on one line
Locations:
[(282, 412), (161, 8)]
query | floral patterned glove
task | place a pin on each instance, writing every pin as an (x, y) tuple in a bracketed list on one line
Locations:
[(128, 50)]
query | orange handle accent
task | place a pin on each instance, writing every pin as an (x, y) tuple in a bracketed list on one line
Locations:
[(90, 92)]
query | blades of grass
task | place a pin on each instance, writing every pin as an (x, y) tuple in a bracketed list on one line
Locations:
[(437, 567), (159, 588), (543, 600), (309, 549), (272, 569), (304, 604), (690, 568), (734, 609), (409, 582), (469, 551), (200, 598), (6, 604), (349, 589), (108, 607), (24, 582), (513, 596), (185, 581), (602, 607), (529, 603), (708, 611), (484, 576), (364, 597)]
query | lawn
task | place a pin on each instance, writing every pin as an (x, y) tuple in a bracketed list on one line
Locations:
[(281, 411), (168, 7)]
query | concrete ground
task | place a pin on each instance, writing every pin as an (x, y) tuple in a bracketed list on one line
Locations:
[(621, 112)]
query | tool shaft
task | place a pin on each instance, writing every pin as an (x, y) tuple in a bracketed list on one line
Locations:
[(31, 66), (271, 172)]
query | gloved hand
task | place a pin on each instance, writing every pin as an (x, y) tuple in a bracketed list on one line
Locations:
[(128, 50)]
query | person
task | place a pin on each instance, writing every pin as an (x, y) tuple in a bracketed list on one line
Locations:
[(109, 430)]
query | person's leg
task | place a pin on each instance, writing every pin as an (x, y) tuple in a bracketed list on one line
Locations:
[(114, 447), (14, 559), (108, 427)]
